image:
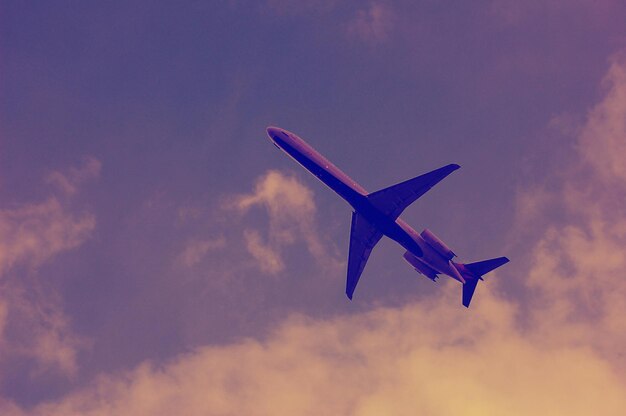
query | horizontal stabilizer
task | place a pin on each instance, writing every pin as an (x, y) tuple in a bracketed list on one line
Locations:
[(481, 268), (473, 272), (393, 200)]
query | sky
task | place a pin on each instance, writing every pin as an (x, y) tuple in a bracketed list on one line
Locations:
[(159, 256)]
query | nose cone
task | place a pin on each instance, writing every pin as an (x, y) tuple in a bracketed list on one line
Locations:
[(272, 132)]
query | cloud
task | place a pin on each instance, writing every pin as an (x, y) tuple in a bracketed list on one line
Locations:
[(196, 250), (4, 309), (603, 138), (268, 259), (69, 181), (556, 352), (291, 210), (578, 274), (32, 323), (33, 233), (430, 358), (530, 202), (38, 329), (372, 25), (282, 195), (577, 282)]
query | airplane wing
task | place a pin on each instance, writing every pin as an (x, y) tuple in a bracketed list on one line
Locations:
[(363, 238), (394, 199)]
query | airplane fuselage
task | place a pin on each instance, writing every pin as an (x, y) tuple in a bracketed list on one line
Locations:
[(356, 196)]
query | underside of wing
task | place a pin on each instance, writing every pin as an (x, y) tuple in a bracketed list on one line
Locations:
[(363, 238), (393, 200)]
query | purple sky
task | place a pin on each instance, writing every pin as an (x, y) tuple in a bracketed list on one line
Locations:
[(159, 256)]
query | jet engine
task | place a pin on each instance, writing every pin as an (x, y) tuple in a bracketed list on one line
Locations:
[(439, 246), (420, 267)]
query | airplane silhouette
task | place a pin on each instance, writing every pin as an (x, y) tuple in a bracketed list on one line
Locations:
[(377, 214)]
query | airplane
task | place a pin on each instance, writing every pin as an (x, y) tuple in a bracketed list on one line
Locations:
[(378, 213)]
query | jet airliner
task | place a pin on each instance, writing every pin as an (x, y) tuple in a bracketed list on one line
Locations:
[(378, 213)]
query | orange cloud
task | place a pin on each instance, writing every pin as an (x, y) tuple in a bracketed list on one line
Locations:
[(33, 233), (558, 353), (291, 210), (37, 328), (32, 323), (196, 250), (429, 358), (603, 139), (69, 181), (268, 259), (577, 280)]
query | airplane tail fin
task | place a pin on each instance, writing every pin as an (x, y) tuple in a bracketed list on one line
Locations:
[(473, 272)]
